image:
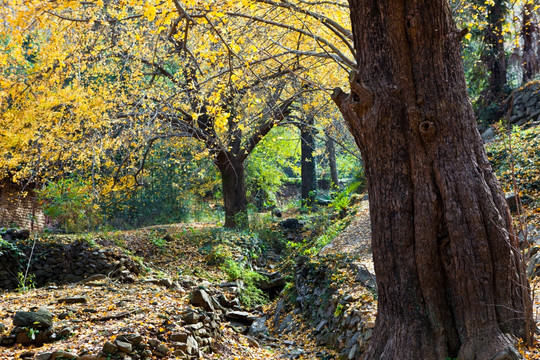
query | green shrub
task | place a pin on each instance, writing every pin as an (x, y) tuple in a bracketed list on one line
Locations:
[(71, 202), (250, 294)]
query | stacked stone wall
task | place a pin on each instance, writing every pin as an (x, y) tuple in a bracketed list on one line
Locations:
[(20, 208), (526, 105)]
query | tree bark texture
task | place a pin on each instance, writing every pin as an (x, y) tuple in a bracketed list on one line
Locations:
[(308, 169), (449, 272), (527, 30), (234, 190), (494, 56), (331, 151)]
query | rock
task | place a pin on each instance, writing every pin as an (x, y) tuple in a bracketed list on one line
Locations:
[(64, 355), (320, 326), (36, 320), (163, 349), (200, 298), (109, 348), (292, 224), (27, 354), (241, 316), (43, 356), (123, 346), (276, 212), (3, 328), (488, 135), (73, 300), (272, 281), (194, 327), (133, 339), (286, 325), (512, 203), (179, 337), (191, 317), (192, 346), (65, 332), (16, 234), (258, 327)]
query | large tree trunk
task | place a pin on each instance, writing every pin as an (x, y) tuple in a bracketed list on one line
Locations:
[(308, 171), (449, 274), (234, 190)]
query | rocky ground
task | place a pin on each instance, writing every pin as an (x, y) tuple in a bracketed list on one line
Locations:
[(169, 302)]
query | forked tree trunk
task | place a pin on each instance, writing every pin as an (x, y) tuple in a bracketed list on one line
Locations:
[(234, 190), (449, 274)]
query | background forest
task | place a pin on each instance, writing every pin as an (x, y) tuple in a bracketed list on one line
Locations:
[(124, 113)]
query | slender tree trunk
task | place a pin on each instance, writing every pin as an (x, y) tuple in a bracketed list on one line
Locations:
[(449, 272), (331, 151), (527, 29), (234, 190), (494, 56), (308, 169)]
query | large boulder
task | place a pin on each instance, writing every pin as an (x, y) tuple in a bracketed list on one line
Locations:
[(40, 319)]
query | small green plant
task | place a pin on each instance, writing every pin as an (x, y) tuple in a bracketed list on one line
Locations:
[(218, 255), (155, 238), (25, 282), (32, 333), (250, 295), (339, 310), (342, 200)]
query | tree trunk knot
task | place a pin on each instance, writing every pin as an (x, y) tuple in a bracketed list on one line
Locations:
[(428, 130)]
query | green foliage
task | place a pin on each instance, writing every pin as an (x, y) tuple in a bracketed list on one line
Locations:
[(233, 252), (266, 166), (342, 200), (25, 282), (522, 150), (32, 333), (323, 230), (8, 248), (250, 294), (71, 202), (163, 195), (219, 254), (339, 310), (156, 238)]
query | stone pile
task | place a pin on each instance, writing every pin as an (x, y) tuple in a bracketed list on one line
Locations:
[(65, 263), (33, 328), (526, 105), (337, 320)]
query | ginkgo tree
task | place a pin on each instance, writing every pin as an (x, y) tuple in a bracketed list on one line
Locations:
[(95, 84)]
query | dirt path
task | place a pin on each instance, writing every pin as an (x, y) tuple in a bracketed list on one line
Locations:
[(355, 240)]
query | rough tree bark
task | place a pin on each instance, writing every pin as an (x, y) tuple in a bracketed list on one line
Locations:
[(234, 190), (449, 274), (308, 171)]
